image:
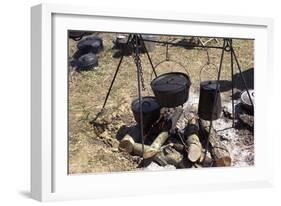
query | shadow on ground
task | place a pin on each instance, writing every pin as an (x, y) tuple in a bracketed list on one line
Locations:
[(248, 75)]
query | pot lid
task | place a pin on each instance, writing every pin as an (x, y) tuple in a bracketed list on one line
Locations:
[(87, 60), (170, 81), (209, 85), (149, 104), (93, 41), (245, 97)]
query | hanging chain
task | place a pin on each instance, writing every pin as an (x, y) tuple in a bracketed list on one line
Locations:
[(137, 61)]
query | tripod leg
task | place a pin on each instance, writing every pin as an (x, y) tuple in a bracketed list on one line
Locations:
[(148, 56), (241, 75), (116, 72), (137, 62), (215, 100), (232, 87)]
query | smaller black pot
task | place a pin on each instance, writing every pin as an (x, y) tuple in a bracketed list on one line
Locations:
[(150, 110), (206, 101)]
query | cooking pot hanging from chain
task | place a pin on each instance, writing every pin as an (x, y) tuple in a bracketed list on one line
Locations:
[(172, 64), (171, 89), (150, 110), (210, 98)]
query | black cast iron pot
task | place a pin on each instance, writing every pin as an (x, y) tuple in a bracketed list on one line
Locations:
[(92, 44), (86, 61), (206, 101), (171, 89), (150, 110), (78, 35)]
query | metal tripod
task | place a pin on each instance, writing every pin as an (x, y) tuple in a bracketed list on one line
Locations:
[(227, 47), (137, 43)]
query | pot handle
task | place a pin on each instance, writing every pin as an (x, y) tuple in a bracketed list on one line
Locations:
[(207, 65), (167, 59)]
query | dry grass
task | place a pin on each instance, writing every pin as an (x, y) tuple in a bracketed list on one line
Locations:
[(94, 149)]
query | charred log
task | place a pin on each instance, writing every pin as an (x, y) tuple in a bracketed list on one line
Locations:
[(219, 151)]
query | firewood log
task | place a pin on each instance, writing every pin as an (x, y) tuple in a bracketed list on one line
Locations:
[(194, 147), (160, 140), (137, 149), (173, 157), (156, 145), (206, 161), (219, 152), (160, 159), (179, 147), (127, 144)]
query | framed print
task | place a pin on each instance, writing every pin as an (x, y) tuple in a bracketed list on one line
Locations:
[(133, 99)]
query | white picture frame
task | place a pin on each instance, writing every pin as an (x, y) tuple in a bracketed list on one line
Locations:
[(49, 178)]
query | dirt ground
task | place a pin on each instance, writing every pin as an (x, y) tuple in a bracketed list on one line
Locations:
[(94, 148)]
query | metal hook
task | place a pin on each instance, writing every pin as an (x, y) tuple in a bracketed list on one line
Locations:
[(208, 56), (167, 52), (228, 45)]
